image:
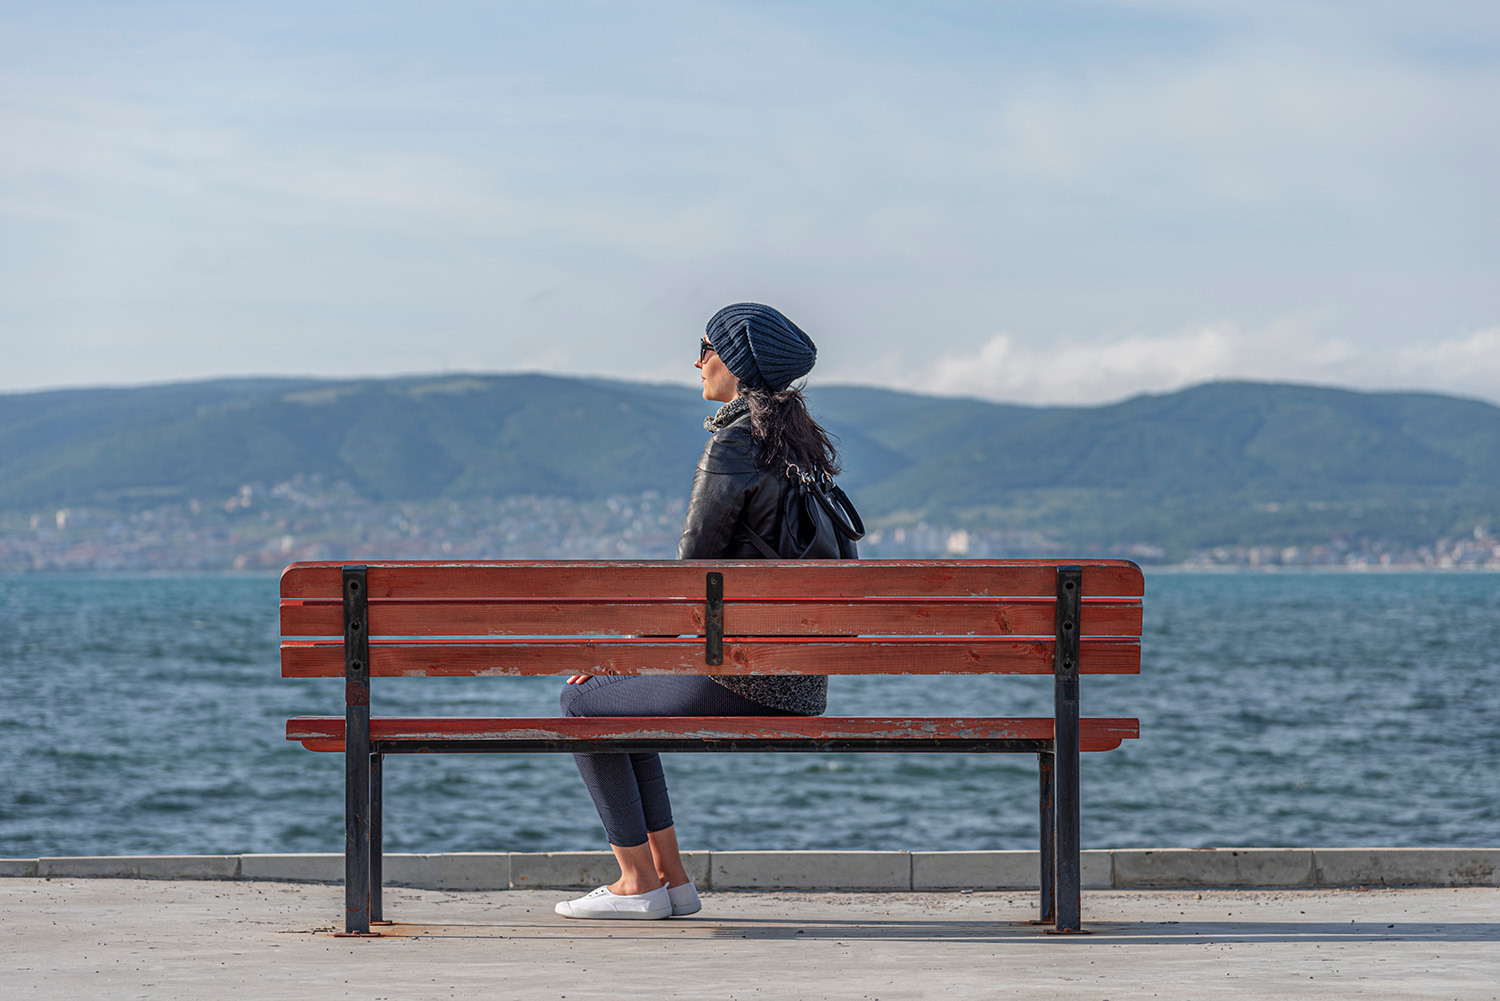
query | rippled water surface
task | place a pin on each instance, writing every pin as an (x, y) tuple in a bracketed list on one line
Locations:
[(146, 714)]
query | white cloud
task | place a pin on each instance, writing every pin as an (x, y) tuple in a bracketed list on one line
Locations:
[(1085, 373), (1467, 364), (1006, 369)]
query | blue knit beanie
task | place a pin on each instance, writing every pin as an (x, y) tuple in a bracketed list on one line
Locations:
[(760, 347)]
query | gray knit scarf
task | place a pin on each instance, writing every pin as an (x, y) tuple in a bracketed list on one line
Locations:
[(727, 415)]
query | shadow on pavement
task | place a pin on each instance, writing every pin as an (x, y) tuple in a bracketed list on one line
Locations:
[(1142, 933)]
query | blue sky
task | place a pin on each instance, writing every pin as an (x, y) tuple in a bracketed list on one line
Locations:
[(1041, 202)]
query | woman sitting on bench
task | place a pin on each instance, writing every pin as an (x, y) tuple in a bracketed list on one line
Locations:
[(749, 359)]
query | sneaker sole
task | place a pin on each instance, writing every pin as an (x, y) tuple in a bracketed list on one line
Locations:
[(619, 916)]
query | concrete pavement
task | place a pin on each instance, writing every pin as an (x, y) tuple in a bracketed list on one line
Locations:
[(162, 939)]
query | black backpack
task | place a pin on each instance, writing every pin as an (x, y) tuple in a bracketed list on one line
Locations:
[(818, 521)]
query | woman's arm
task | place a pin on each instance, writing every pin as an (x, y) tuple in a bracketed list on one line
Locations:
[(713, 514)]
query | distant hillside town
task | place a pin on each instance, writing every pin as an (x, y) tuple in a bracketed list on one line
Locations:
[(259, 528), (250, 474)]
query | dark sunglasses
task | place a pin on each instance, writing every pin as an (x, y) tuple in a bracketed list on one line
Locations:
[(703, 349)]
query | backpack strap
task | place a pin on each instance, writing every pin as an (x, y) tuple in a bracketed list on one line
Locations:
[(758, 542)]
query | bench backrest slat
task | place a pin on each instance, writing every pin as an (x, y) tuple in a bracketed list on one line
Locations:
[(813, 655), (684, 578), (676, 616)]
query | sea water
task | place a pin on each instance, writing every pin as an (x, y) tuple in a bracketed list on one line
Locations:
[(145, 714)]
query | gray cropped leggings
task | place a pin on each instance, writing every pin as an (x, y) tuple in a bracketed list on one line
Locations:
[(630, 790)]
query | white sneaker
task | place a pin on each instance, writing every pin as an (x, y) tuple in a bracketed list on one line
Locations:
[(601, 903), (684, 899)]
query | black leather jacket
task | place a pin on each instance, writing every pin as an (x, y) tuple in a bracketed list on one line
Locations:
[(727, 486)]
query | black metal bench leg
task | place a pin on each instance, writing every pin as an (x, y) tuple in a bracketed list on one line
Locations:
[(1067, 875), (377, 852), (1048, 842), (357, 826), (356, 753)]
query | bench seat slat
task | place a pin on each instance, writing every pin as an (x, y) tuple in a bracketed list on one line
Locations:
[(326, 733), (676, 616), (678, 578), (811, 655)]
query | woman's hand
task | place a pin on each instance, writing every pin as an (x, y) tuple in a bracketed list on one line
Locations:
[(579, 679)]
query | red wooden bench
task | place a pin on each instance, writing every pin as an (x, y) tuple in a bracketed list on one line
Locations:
[(708, 617)]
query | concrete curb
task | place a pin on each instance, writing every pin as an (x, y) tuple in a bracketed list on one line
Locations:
[(1120, 869)]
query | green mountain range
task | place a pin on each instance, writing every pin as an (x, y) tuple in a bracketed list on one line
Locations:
[(1220, 464)]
